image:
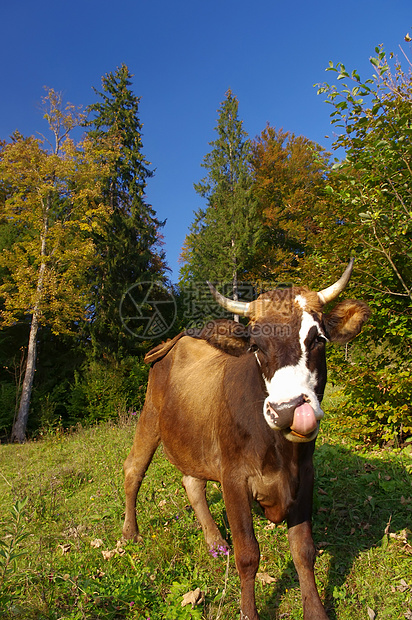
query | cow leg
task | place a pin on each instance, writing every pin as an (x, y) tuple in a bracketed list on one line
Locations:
[(147, 439), (303, 554), (196, 492), (301, 545), (246, 548)]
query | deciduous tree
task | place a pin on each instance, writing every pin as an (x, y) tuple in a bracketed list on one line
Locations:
[(289, 178), (51, 204), (372, 190), (373, 182)]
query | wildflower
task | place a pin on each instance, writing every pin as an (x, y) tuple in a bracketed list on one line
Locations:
[(216, 551)]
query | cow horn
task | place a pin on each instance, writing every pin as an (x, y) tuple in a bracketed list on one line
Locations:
[(237, 307), (327, 294)]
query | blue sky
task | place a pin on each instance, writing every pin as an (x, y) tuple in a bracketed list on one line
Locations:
[(184, 56)]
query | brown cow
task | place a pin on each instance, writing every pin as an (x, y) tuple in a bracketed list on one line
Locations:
[(241, 406)]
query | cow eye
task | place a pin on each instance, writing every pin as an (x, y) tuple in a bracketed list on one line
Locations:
[(317, 341), (253, 348)]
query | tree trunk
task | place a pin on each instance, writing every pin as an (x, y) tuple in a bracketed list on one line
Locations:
[(19, 427), (18, 432), (234, 280)]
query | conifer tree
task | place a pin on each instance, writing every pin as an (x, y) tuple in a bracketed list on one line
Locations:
[(223, 235), (130, 248)]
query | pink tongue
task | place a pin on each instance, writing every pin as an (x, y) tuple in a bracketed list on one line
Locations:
[(304, 421)]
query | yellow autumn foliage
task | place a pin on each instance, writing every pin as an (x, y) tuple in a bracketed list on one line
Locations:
[(51, 201)]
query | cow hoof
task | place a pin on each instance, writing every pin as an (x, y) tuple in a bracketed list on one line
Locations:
[(136, 539), (132, 537)]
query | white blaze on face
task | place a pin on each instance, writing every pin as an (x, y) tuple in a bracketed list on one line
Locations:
[(290, 382)]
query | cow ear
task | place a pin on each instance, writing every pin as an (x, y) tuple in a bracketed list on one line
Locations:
[(226, 335), (346, 320)]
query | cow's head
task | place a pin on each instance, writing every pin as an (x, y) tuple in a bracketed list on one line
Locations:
[(287, 332)]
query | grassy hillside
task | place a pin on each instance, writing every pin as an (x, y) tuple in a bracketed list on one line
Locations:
[(73, 564)]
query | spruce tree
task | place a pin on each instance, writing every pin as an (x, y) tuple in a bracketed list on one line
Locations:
[(223, 235), (130, 250)]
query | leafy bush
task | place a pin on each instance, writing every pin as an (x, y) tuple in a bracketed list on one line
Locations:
[(377, 389), (105, 390), (370, 194), (7, 404)]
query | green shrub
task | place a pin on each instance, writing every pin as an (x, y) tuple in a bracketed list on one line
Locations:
[(7, 404), (105, 390), (377, 390)]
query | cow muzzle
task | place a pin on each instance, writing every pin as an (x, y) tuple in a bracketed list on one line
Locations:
[(295, 418)]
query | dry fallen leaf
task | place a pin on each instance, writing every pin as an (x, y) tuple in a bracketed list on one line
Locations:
[(371, 614), (270, 526), (119, 547), (98, 575), (194, 597), (403, 586), (403, 536), (265, 578), (65, 548), (74, 532), (109, 554), (96, 543), (118, 551)]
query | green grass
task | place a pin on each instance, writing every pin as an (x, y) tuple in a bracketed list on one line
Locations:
[(74, 486)]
